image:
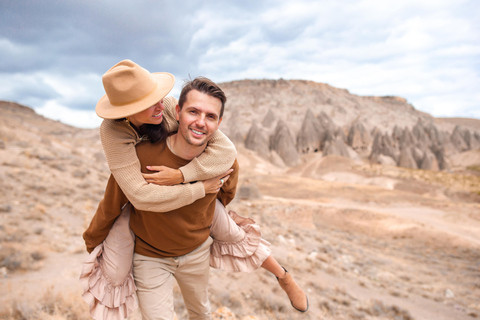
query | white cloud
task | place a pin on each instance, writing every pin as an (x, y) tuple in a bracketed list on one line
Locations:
[(76, 118), (76, 90)]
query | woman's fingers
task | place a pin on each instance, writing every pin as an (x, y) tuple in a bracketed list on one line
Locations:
[(224, 179), (163, 176), (227, 173)]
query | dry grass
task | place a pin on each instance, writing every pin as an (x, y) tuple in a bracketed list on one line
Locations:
[(14, 257), (49, 307)]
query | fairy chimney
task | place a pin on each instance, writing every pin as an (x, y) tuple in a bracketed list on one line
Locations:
[(282, 142)]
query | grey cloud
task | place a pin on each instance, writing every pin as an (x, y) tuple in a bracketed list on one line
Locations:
[(86, 30), (21, 88)]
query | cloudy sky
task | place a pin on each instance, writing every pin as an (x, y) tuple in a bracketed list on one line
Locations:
[(53, 53)]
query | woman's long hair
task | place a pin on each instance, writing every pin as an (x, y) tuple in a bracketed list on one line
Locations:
[(153, 132)]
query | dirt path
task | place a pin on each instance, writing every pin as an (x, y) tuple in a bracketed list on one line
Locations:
[(419, 307), (462, 226)]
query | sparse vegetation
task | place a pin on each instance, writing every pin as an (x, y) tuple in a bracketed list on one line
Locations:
[(50, 306), (474, 168)]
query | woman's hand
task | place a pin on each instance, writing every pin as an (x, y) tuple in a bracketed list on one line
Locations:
[(213, 185), (164, 176)]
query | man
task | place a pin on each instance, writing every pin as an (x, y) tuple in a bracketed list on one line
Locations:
[(174, 245)]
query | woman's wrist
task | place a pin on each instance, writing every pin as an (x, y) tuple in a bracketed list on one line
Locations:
[(179, 176)]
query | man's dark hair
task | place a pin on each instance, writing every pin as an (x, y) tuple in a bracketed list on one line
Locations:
[(203, 85)]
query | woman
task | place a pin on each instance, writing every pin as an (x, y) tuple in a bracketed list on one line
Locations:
[(137, 98)]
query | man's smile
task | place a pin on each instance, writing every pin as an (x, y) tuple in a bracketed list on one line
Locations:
[(196, 132)]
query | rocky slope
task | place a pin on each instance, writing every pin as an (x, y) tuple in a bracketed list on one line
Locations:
[(281, 120)]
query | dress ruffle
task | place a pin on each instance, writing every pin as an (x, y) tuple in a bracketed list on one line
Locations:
[(107, 275), (105, 299), (244, 255)]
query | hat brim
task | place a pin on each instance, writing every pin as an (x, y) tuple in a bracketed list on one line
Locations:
[(165, 82)]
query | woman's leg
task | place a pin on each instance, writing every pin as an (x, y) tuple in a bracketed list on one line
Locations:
[(225, 230), (238, 245), (270, 264), (297, 297)]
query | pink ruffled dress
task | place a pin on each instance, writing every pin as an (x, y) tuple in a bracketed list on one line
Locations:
[(107, 277), (237, 242)]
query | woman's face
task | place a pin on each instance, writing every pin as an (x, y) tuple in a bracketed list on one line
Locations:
[(152, 115)]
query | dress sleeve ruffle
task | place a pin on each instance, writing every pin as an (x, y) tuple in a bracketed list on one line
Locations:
[(107, 277), (238, 245)]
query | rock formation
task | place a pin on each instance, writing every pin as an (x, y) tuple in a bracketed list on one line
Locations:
[(468, 139), (269, 119), (282, 142), (424, 146), (233, 131), (326, 123), (311, 135), (383, 145), (429, 161), (407, 159), (335, 145), (458, 139), (358, 137), (257, 141)]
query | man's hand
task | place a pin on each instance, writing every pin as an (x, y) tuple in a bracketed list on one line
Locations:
[(164, 176)]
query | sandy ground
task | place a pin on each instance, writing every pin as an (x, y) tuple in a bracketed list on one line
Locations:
[(365, 242), (413, 248)]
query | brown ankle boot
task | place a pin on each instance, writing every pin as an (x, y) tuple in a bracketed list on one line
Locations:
[(297, 297)]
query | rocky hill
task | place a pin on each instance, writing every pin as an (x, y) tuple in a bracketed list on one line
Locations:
[(51, 175), (282, 120), (365, 240)]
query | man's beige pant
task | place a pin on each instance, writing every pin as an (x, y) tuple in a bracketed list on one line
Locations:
[(154, 278)]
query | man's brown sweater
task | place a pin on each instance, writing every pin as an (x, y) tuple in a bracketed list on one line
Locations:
[(160, 234)]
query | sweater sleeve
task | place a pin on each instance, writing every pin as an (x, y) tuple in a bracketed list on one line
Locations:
[(217, 158), (118, 140), (108, 210), (228, 190)]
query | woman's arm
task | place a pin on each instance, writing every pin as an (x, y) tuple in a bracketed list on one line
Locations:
[(217, 158), (119, 140)]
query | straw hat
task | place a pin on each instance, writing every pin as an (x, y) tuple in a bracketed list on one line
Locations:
[(131, 89)]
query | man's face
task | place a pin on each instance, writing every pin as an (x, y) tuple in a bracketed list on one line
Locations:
[(199, 118)]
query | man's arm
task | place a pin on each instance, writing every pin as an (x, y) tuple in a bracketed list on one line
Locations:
[(108, 210), (229, 188)]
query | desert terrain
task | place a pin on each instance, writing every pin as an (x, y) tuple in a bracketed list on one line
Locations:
[(365, 240)]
